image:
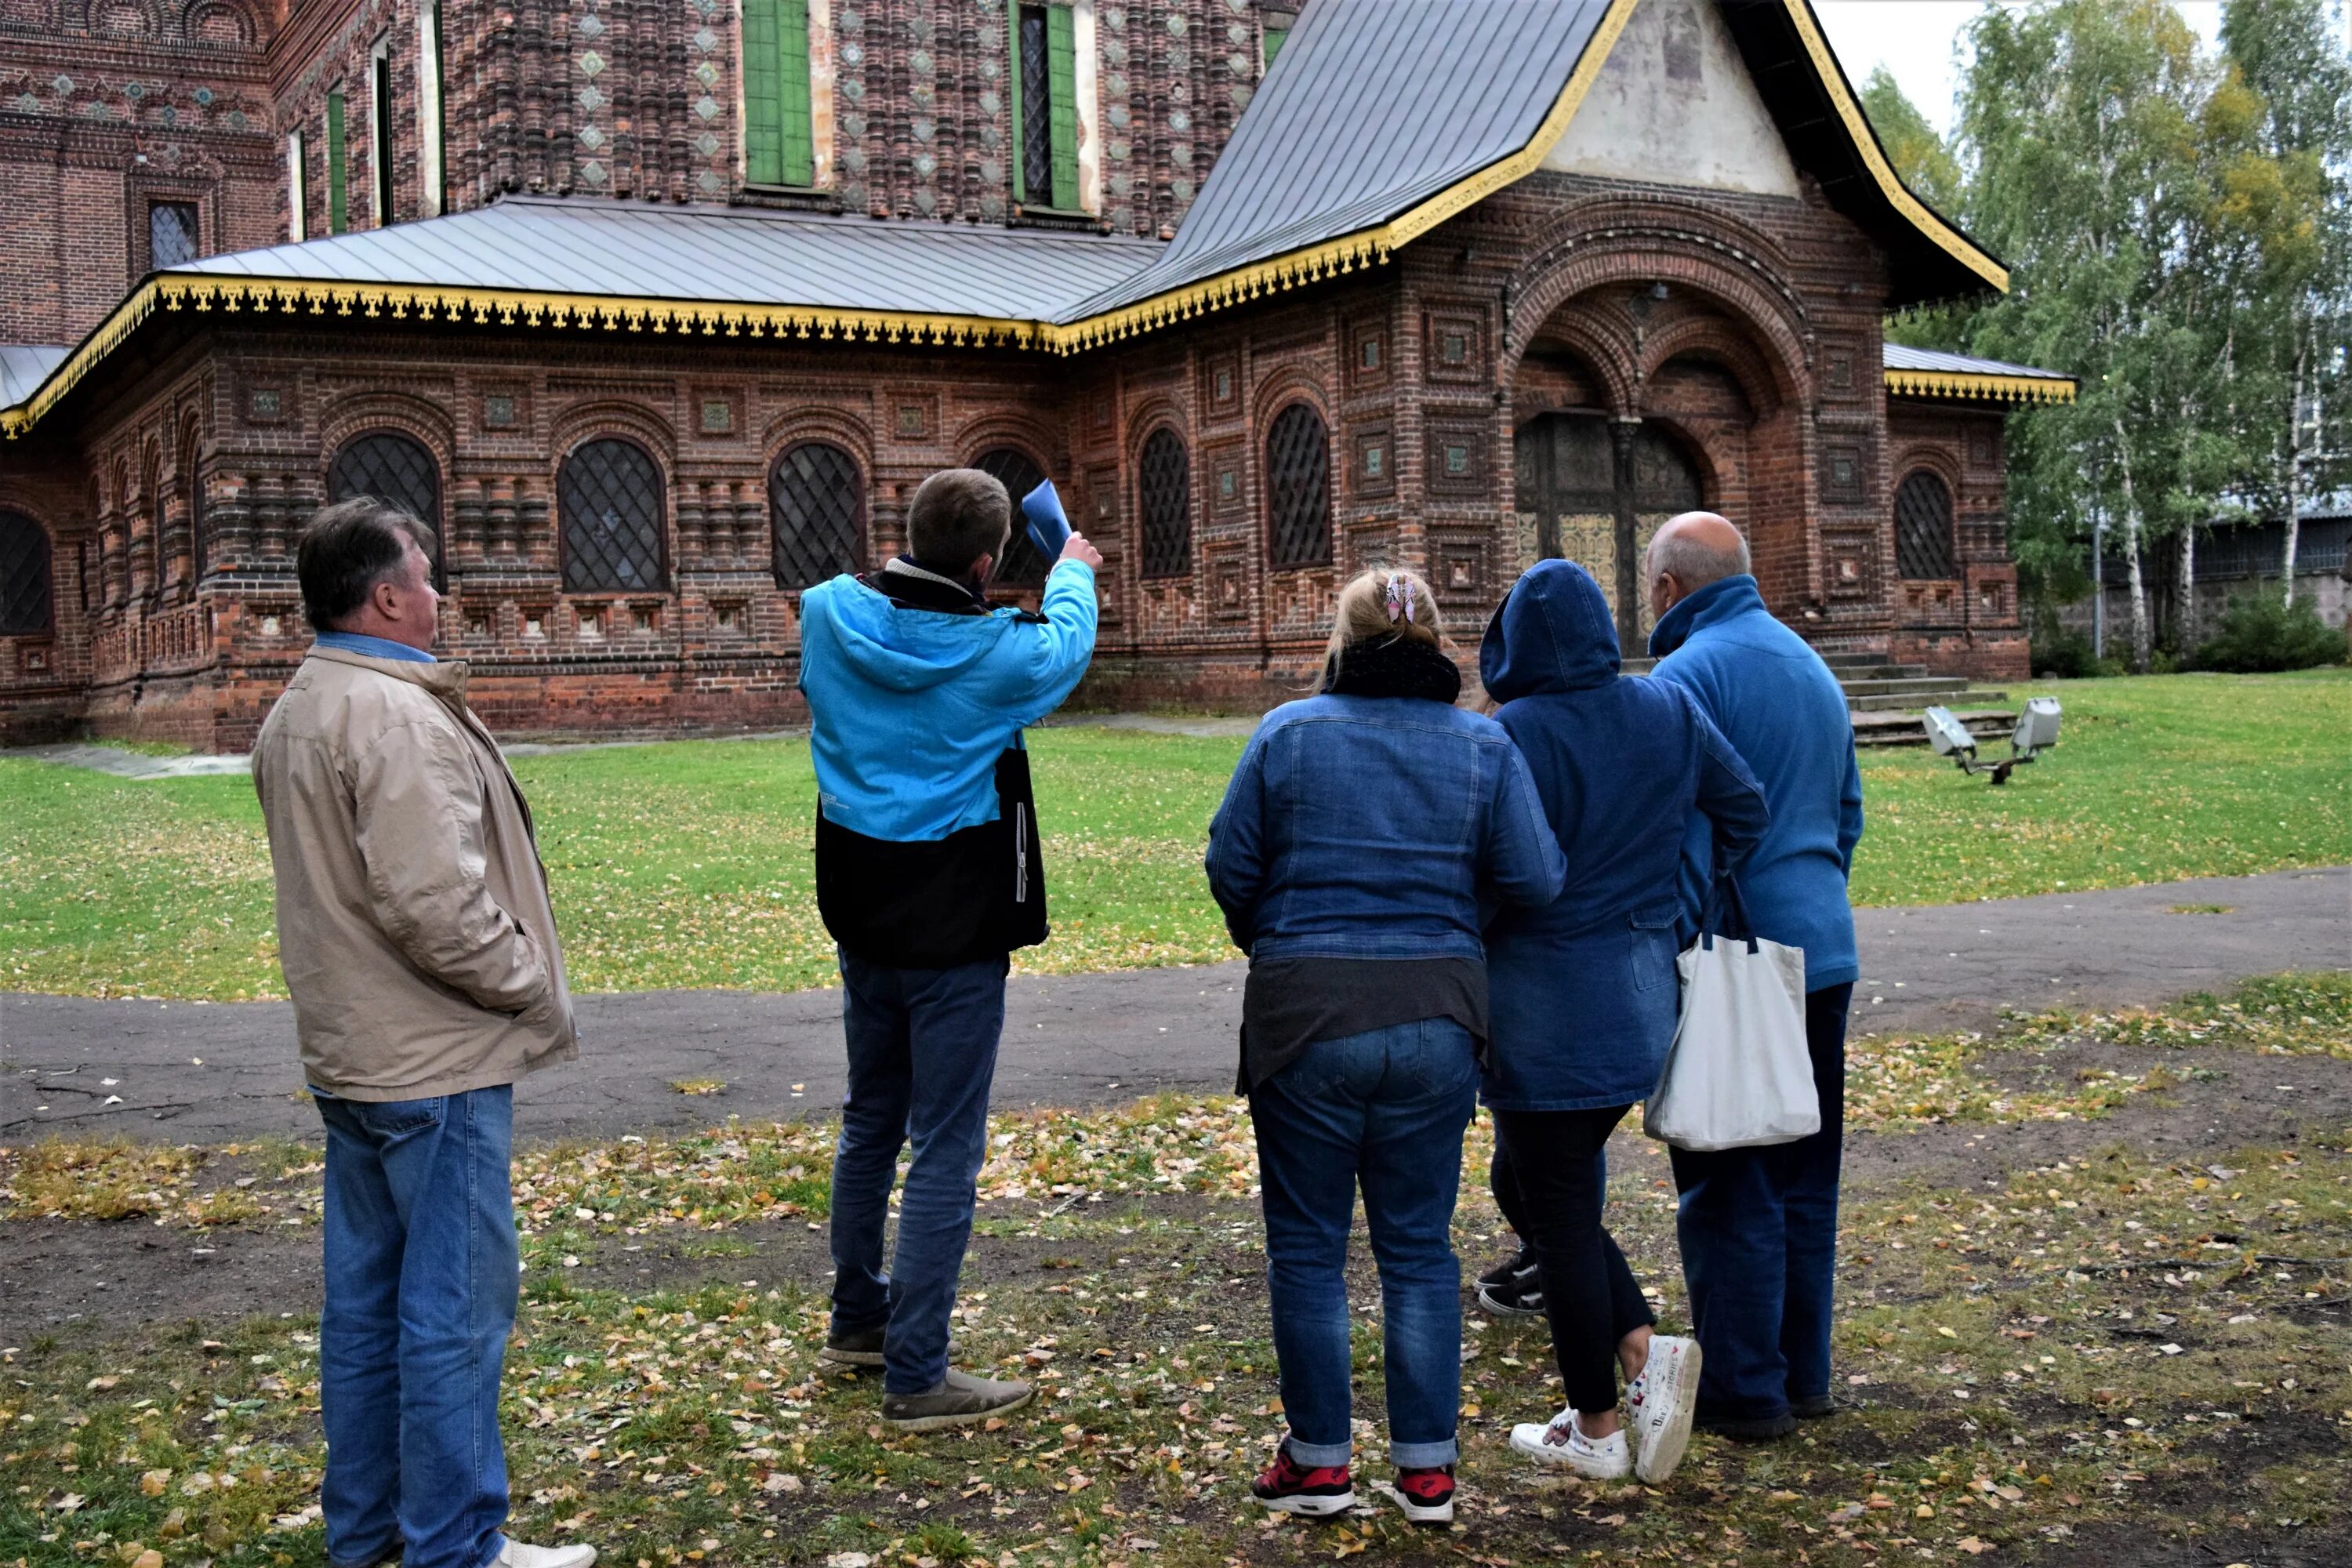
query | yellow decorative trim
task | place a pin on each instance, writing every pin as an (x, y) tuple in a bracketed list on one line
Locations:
[(1865, 141), (15, 421), (1981, 386)]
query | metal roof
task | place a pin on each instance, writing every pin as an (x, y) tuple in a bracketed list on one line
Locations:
[(24, 366), (1371, 108), (627, 251), (1901, 356)]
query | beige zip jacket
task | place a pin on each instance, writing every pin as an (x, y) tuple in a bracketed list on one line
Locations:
[(413, 920)]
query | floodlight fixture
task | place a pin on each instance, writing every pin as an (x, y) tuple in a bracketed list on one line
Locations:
[(2036, 731)]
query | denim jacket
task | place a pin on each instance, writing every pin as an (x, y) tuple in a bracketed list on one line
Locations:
[(1372, 827)]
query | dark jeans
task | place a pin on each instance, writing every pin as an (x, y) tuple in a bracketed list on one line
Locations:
[(922, 1050), (1505, 1185), (422, 1276), (1759, 1230), (1558, 1169), (1385, 1110)]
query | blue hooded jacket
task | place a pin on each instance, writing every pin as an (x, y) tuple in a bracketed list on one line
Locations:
[(910, 709), (1778, 705), (1582, 992)]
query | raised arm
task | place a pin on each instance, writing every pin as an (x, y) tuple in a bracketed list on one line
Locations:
[(1060, 649), (417, 800)]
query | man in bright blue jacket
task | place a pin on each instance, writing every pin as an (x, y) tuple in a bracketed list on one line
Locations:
[(1759, 1226), (928, 875)]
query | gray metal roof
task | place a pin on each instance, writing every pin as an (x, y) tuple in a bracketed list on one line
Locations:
[(631, 251), (24, 366), (1373, 107), (1900, 356)]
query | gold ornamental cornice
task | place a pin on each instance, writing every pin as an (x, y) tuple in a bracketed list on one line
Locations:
[(1979, 386)]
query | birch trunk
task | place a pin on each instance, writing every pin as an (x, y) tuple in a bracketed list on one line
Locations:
[(2294, 468), (2141, 639), (2184, 635)]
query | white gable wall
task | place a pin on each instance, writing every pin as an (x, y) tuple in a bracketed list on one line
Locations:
[(1674, 105)]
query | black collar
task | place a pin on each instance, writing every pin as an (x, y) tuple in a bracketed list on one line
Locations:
[(1390, 666), (915, 587)]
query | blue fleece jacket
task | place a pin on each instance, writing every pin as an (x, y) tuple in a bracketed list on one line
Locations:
[(910, 709), (1582, 990), (1784, 711)]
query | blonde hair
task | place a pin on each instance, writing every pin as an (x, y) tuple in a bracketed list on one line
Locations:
[(1363, 608)]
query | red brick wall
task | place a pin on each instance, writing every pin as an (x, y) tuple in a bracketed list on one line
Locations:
[(105, 106), (1971, 624)]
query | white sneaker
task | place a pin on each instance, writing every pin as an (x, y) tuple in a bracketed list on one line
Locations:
[(1660, 1402), (517, 1554), (1563, 1442)]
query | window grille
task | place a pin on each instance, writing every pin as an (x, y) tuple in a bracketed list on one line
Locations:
[(1299, 482), (1021, 567), (24, 576), (398, 470), (1923, 527), (1167, 495), (610, 500), (1045, 106), (816, 514), (172, 235)]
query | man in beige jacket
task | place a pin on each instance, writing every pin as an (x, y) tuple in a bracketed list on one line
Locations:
[(419, 946)]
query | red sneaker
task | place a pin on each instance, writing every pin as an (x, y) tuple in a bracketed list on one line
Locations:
[(1316, 1493), (1425, 1495)]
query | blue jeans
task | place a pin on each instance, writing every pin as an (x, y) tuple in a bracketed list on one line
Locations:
[(922, 1050), (1759, 1231), (422, 1276), (1387, 1110)]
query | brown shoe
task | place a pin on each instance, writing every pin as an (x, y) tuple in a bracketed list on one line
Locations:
[(960, 1400)]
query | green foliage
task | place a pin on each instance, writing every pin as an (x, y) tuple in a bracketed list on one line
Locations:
[(2259, 633), (2066, 653)]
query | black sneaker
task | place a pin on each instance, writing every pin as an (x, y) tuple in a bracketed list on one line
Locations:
[(1519, 1268), (1760, 1429), (1814, 1407), (1522, 1300)]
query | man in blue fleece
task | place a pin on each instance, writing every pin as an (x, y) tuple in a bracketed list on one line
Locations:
[(1759, 1226), (928, 875)]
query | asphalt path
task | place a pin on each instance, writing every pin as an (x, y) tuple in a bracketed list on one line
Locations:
[(205, 1073)]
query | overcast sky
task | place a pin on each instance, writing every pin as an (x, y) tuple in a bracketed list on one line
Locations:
[(1917, 40)]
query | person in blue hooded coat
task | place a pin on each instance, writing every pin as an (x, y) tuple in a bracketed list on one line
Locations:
[(1584, 995)]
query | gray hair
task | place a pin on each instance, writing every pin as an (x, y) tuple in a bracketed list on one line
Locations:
[(1693, 563)]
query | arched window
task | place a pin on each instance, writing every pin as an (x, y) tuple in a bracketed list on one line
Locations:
[(1298, 487), (609, 500), (1923, 526), (816, 514), (1166, 492), (397, 470), (1021, 567), (24, 576)]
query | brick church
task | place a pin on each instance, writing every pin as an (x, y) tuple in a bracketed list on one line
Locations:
[(657, 311)]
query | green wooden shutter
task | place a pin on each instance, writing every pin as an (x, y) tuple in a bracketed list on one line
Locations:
[(779, 148), (1275, 38), (763, 133), (792, 82), (338, 172), (1062, 79)]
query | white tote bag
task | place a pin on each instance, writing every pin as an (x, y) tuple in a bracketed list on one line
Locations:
[(1739, 1073)]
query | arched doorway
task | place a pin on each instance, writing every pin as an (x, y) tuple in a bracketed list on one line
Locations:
[(1598, 489)]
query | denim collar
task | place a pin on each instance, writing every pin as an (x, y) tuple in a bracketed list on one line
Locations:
[(375, 647), (1719, 601)]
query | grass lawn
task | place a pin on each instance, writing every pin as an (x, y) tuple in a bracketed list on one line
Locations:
[(688, 864), (2058, 1341)]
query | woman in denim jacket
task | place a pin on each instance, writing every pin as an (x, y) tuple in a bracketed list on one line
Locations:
[(1359, 834), (1585, 992)]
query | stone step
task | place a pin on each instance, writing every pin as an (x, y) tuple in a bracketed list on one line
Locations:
[(1900, 729), (1929, 688)]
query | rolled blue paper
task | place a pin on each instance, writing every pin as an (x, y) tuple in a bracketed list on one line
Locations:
[(1049, 525)]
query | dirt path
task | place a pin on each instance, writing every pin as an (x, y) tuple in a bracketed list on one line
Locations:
[(189, 1072)]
